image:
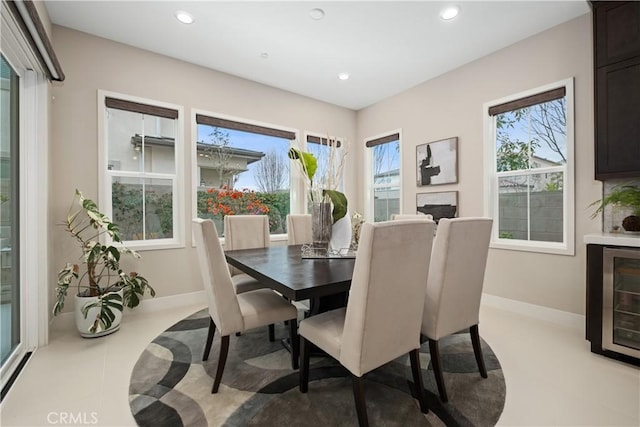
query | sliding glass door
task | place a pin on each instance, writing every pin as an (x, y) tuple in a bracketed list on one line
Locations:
[(10, 295)]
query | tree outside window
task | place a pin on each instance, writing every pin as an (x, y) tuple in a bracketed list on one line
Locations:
[(531, 155), (242, 173)]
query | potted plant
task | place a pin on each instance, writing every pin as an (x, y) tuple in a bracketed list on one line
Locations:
[(331, 226), (625, 196), (103, 288)]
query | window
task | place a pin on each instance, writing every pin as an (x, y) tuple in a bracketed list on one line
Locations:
[(321, 148), (242, 168), (529, 148), (10, 285), (141, 164), (383, 176), (24, 222)]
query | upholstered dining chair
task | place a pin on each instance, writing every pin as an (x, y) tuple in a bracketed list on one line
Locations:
[(299, 229), (454, 287), (381, 322), (411, 216), (230, 312), (245, 232)]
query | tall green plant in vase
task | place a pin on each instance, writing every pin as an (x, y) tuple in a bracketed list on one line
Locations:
[(328, 233), (103, 287)]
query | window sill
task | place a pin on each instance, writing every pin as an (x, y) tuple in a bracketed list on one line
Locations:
[(538, 247), (272, 238), (140, 246)]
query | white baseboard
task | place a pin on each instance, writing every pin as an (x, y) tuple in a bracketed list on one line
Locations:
[(564, 318), (150, 305)]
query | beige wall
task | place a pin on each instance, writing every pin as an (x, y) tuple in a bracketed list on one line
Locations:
[(451, 105), (91, 63)]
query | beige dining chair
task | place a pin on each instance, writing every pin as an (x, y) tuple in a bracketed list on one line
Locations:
[(245, 232), (231, 312), (411, 216), (299, 229), (381, 322), (454, 287)]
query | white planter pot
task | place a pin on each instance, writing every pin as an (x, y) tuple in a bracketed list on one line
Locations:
[(84, 324)]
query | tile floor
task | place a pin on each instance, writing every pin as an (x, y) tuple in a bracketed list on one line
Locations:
[(552, 378)]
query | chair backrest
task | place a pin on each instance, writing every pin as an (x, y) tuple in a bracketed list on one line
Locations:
[(411, 216), (387, 293), (245, 232), (456, 275), (299, 229), (221, 295)]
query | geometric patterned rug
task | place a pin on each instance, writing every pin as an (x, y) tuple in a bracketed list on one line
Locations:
[(171, 386)]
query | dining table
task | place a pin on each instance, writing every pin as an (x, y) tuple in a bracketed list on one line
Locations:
[(324, 281)]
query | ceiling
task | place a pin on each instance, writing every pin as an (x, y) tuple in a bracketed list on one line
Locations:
[(386, 47)]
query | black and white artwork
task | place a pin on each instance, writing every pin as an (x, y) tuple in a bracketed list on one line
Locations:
[(437, 162), (440, 205)]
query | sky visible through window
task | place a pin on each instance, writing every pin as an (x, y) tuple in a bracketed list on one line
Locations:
[(386, 158), (543, 123), (248, 141)]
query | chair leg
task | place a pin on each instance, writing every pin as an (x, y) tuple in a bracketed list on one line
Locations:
[(477, 350), (414, 356), (437, 369), (222, 359), (295, 345), (305, 349), (358, 395), (210, 334), (272, 332)]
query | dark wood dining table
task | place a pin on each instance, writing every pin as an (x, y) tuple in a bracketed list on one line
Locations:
[(324, 281)]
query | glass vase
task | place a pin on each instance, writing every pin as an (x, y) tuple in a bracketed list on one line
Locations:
[(321, 221)]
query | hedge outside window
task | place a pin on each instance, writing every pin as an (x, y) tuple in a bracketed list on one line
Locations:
[(242, 169), (531, 150)]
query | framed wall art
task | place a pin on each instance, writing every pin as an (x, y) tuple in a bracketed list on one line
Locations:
[(441, 204), (437, 162)]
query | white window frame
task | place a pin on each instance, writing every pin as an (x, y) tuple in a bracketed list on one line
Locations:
[(296, 186), (368, 173), (105, 175), (34, 199), (567, 246)]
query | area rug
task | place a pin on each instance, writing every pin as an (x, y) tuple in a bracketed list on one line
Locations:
[(171, 386)]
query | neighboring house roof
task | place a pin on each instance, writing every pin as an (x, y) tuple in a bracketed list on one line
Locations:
[(162, 141), (545, 162)]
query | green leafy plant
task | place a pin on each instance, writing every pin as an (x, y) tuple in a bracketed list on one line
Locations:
[(320, 190), (623, 195), (102, 276)]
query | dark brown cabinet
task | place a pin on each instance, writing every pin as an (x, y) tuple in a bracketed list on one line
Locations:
[(617, 89), (617, 35)]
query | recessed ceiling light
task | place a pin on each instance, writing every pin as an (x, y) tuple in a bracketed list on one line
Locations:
[(184, 17), (449, 13), (316, 13), (343, 76)]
